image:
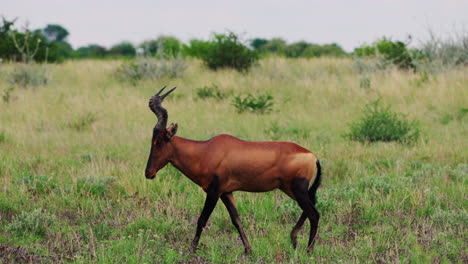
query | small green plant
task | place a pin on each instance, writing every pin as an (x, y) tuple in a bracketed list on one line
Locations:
[(365, 82), (256, 104), (147, 68), (276, 132), (39, 184), (94, 186), (7, 208), (212, 91), (6, 96), (26, 75), (227, 51), (379, 123), (422, 79), (83, 122), (37, 222), (3, 136)]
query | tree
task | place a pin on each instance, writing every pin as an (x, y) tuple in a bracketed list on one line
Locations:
[(196, 48), (227, 51), (54, 32), (296, 50), (149, 47), (123, 48), (274, 45), (331, 50), (258, 43), (162, 46), (91, 51)]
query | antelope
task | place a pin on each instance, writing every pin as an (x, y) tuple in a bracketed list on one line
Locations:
[(224, 164)]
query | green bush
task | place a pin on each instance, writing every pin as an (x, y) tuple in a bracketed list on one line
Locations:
[(37, 222), (3, 136), (26, 46), (162, 47), (91, 51), (227, 51), (196, 48), (257, 104), (379, 123), (146, 68), (212, 91), (394, 52), (124, 48)]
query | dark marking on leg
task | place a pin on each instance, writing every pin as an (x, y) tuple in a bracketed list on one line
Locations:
[(303, 217), (299, 188), (212, 197), (229, 202), (296, 229)]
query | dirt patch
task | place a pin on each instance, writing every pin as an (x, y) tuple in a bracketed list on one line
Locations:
[(18, 254)]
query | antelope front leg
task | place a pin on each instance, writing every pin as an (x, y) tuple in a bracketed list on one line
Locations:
[(212, 198)]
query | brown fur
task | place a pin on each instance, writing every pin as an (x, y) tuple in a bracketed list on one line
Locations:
[(240, 165)]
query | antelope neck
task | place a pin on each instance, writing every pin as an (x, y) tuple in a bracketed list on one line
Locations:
[(186, 157)]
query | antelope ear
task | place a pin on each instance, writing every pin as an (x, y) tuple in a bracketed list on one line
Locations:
[(171, 131)]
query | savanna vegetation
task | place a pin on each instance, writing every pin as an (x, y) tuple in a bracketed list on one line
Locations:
[(389, 125), (73, 152)]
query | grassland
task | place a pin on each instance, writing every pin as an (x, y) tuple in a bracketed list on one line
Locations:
[(73, 153)]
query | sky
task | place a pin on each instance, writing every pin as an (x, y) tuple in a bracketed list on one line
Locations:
[(349, 23)]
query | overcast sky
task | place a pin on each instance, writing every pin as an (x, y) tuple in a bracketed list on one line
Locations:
[(346, 22)]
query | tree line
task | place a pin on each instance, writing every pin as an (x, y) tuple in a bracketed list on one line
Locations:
[(50, 43)]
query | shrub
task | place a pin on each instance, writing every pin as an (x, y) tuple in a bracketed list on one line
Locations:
[(394, 52), (227, 51), (196, 48), (25, 75), (37, 222), (26, 46), (162, 47), (450, 51), (91, 51), (124, 48), (257, 104), (212, 91), (379, 123), (145, 68), (275, 45)]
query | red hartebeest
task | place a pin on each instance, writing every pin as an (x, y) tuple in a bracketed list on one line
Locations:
[(225, 164)]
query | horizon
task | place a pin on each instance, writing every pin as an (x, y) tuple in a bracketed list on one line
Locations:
[(348, 24)]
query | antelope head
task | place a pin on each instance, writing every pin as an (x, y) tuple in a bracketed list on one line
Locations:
[(160, 148)]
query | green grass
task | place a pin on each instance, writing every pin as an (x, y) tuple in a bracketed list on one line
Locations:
[(77, 148)]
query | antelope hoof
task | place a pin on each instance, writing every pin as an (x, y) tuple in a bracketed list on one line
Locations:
[(193, 249), (310, 250), (294, 243), (248, 251)]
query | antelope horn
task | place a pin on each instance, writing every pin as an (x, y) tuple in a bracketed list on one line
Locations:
[(161, 90), (164, 95), (158, 110)]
